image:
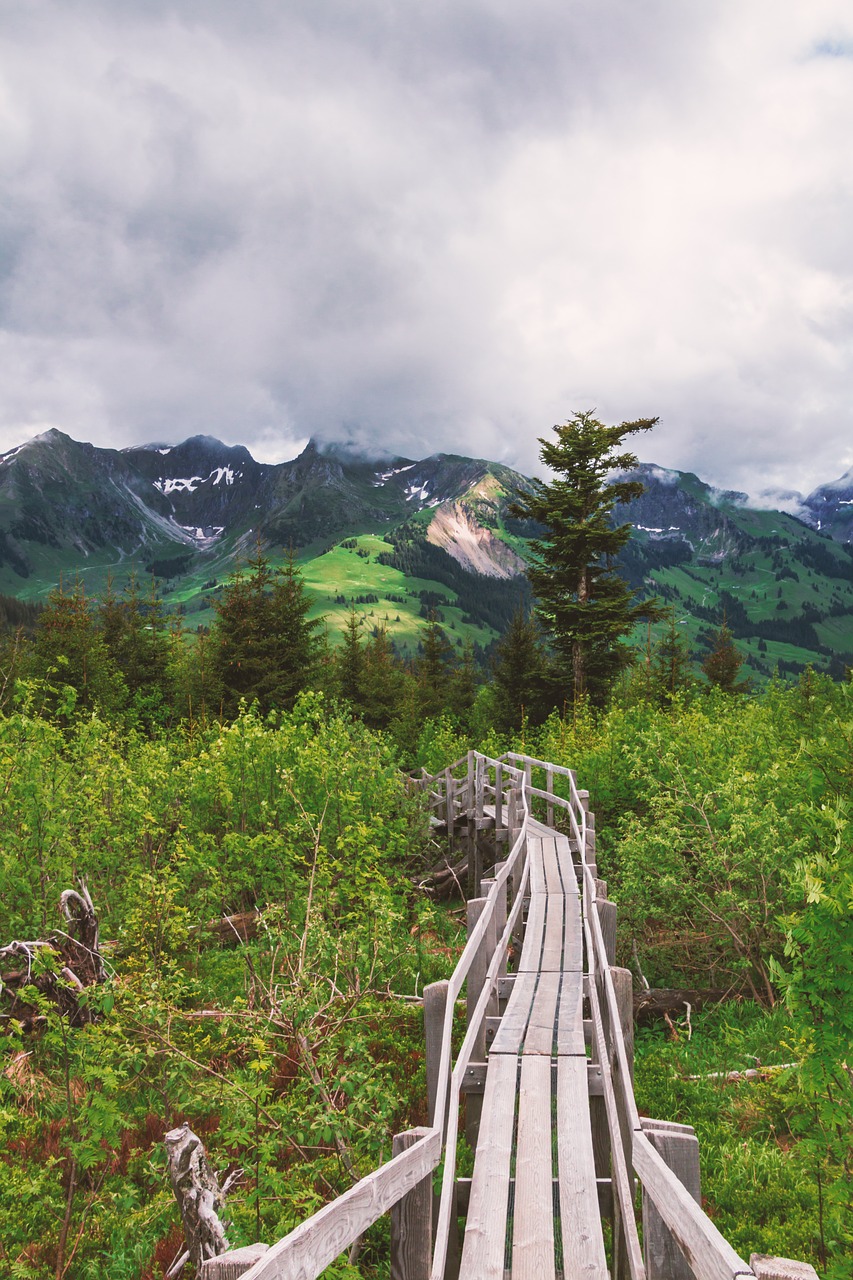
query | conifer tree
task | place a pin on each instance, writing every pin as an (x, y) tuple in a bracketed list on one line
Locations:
[(671, 662), (132, 631), (433, 669), (383, 681), (69, 650), (519, 675), (350, 660), (264, 644), (583, 604), (723, 663)]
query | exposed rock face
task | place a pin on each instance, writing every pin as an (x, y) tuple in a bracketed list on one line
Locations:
[(455, 530)]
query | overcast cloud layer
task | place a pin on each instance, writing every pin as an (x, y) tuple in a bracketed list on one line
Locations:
[(432, 224)]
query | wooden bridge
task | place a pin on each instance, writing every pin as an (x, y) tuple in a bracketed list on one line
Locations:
[(566, 1174)]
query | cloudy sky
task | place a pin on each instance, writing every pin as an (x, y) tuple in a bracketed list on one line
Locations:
[(432, 224)]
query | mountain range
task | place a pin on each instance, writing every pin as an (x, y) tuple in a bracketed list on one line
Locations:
[(398, 538)]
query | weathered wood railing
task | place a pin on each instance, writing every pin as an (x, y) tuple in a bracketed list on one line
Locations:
[(475, 800)]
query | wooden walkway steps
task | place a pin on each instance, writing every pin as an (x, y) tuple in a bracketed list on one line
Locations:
[(541, 1087)]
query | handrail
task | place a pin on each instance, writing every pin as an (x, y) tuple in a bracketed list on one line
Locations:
[(310, 1247)]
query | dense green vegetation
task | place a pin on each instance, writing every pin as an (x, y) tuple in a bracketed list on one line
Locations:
[(725, 834)]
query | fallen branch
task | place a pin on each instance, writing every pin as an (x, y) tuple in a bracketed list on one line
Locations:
[(60, 967), (669, 1002), (751, 1073)]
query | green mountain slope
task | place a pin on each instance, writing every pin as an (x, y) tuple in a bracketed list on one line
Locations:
[(398, 539)]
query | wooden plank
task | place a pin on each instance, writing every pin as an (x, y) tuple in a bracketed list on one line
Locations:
[(552, 941), (580, 1221), (572, 933), (531, 950), (533, 1224), (517, 1014), (435, 1007), (706, 1250), (537, 867), (570, 1032), (567, 866), (309, 1249), (485, 1231), (539, 1037), (551, 866)]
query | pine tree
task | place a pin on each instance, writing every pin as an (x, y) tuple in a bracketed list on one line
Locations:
[(519, 675), (350, 660), (582, 603), (671, 663), (264, 644), (383, 681), (69, 650), (433, 669), (723, 664), (132, 631)]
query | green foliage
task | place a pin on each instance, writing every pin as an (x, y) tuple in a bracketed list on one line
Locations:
[(758, 1182), (304, 1060), (265, 646)]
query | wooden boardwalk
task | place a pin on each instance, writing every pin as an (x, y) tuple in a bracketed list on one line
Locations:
[(534, 1164), (541, 1088)]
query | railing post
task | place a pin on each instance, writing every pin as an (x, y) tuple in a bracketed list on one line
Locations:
[(469, 794), (678, 1146), (624, 991), (473, 987), (623, 982), (499, 796), (411, 1221), (500, 916), (491, 942), (450, 809), (549, 787), (479, 785), (435, 1008)]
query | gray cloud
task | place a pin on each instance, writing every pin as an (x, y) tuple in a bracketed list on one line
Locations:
[(432, 226)]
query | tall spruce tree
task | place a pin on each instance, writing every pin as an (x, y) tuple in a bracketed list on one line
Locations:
[(583, 604), (519, 675)]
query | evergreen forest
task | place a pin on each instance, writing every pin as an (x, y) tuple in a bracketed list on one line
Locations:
[(238, 805)]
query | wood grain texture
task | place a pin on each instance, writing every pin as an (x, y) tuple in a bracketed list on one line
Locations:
[(583, 1243), (540, 1034), (516, 1016), (570, 1031), (531, 949), (485, 1231), (411, 1221), (533, 1226), (664, 1259)]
